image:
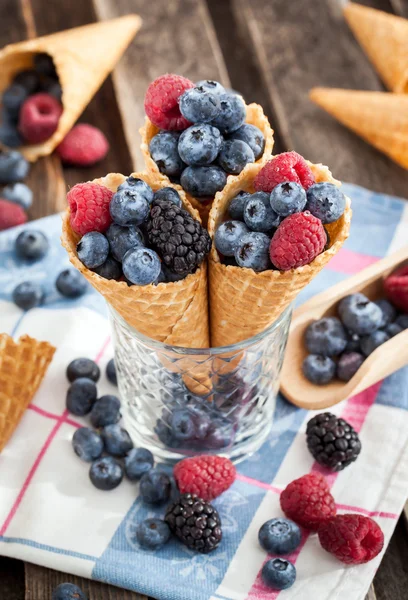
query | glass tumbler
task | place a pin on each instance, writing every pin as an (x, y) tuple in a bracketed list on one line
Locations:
[(180, 402)]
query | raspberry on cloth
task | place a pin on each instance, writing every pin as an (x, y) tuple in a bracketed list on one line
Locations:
[(205, 476)]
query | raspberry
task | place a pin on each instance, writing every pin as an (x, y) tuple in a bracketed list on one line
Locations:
[(39, 117), (298, 240), (288, 166), (396, 288), (11, 214), (89, 206), (84, 146), (353, 539), (205, 476), (161, 101), (308, 501)]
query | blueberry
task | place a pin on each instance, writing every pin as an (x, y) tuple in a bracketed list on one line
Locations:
[(31, 244), (167, 276), (121, 239), (252, 251), (70, 283), (199, 145), (371, 342), (155, 487), (228, 236), (353, 342), (13, 166), (258, 213), (87, 444), (232, 113), (389, 312), (326, 202), (164, 151), (402, 321), (131, 205), (234, 156), (141, 266), (393, 329), (237, 205), (13, 98), (360, 315), (278, 574), (348, 365), (93, 249), (117, 440), (138, 462), (44, 64), (288, 198), (19, 193), (111, 372), (203, 181), (106, 473), (326, 337), (110, 269), (105, 411), (9, 135), (221, 435), (52, 87), (29, 79), (81, 396), (28, 294), (182, 425), (279, 536), (68, 591), (152, 534), (198, 105), (211, 86), (83, 367), (165, 435), (252, 136), (319, 369), (169, 194)]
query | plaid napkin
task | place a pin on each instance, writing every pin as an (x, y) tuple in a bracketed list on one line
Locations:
[(50, 514)]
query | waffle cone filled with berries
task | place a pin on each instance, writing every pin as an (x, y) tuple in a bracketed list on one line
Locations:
[(243, 302), (23, 365)]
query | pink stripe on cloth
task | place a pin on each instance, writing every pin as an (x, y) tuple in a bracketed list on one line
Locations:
[(347, 261), (368, 513), (49, 415), (257, 483)]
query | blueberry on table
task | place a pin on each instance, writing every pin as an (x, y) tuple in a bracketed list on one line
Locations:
[(13, 167), (152, 534), (105, 411), (18, 193), (251, 135), (138, 462), (70, 283), (258, 213), (121, 239), (155, 487), (348, 365), (203, 181), (326, 336), (237, 205), (288, 198), (319, 369), (31, 244), (278, 574), (28, 294), (93, 249), (360, 315), (87, 444), (211, 86), (81, 396), (326, 202), (199, 105), (106, 473), (141, 266), (163, 149), (252, 251), (117, 440), (234, 156), (228, 236), (111, 372), (232, 113), (199, 145), (279, 536), (68, 591), (83, 367)]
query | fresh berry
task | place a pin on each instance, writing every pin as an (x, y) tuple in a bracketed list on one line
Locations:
[(13, 167), (232, 113), (87, 444), (198, 105), (288, 166), (359, 314), (19, 193), (52, 87), (195, 523), (9, 135), (89, 207), (237, 205), (308, 501), (29, 79), (152, 534), (161, 101), (106, 473), (234, 156), (31, 244), (203, 181), (111, 372), (326, 337), (288, 198), (81, 396), (83, 146), (353, 539), (332, 441), (393, 329), (182, 425), (389, 312), (155, 487), (353, 342), (279, 536), (105, 411), (205, 476), (348, 365), (326, 202), (228, 236), (83, 367), (319, 369), (121, 239), (211, 86), (371, 342), (252, 136), (68, 591), (199, 145), (44, 65), (164, 151), (130, 205), (110, 269), (13, 98), (141, 266), (258, 213), (28, 294), (167, 276), (117, 440), (252, 251), (180, 240), (39, 118), (402, 321), (11, 215), (138, 462), (169, 194), (93, 249), (299, 239), (70, 283), (278, 574), (396, 288)]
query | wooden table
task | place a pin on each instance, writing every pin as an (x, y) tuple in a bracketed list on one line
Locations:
[(273, 51)]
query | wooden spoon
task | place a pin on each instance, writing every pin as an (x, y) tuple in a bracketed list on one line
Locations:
[(386, 359)]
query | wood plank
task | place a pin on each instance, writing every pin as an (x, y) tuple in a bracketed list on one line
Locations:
[(11, 579), (391, 580)]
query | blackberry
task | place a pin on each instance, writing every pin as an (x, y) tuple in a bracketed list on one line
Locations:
[(178, 238), (332, 441), (195, 522)]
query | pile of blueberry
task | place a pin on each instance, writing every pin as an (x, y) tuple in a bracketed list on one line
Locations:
[(339, 345), (279, 536)]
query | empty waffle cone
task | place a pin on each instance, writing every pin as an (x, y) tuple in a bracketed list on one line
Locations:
[(23, 365), (380, 118), (244, 303), (384, 38), (255, 116), (83, 58)]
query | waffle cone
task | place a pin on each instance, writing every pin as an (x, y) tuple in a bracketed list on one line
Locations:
[(255, 116), (244, 303), (83, 57), (384, 38), (23, 365), (173, 313), (379, 118)]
